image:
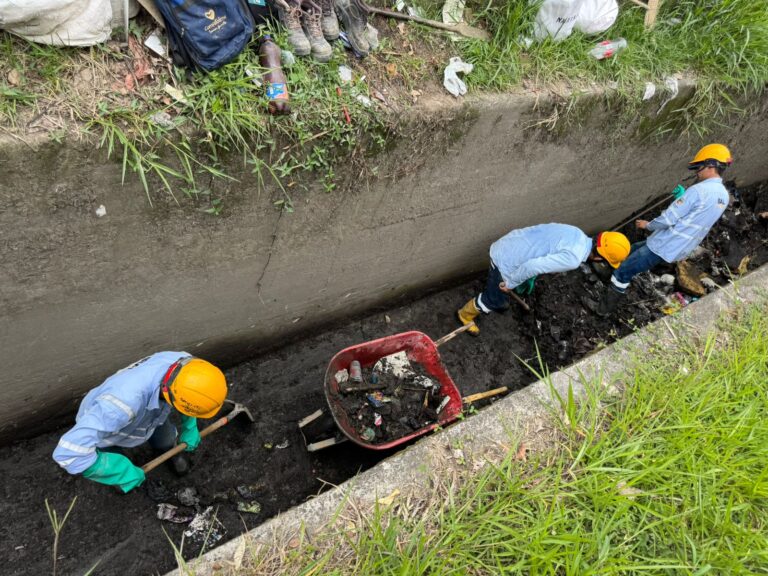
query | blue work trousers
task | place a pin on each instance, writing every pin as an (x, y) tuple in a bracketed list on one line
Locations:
[(640, 259), (164, 436), (492, 298)]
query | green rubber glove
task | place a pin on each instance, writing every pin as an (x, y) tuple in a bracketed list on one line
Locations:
[(189, 433), (526, 287), (678, 191), (115, 470)]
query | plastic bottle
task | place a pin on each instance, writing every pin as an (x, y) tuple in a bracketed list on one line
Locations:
[(607, 48), (277, 87), (355, 372)]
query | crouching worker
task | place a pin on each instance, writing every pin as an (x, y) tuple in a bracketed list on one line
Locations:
[(132, 407), (521, 255), (679, 230)]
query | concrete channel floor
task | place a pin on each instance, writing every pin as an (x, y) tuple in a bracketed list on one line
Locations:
[(122, 533)]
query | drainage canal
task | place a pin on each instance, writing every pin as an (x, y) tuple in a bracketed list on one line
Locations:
[(268, 463)]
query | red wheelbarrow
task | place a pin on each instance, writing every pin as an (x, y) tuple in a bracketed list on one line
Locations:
[(420, 349)]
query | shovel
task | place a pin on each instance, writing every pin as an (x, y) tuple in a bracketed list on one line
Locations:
[(461, 28), (223, 421)]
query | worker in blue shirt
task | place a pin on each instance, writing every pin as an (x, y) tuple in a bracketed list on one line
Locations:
[(523, 254), (132, 407), (679, 229)]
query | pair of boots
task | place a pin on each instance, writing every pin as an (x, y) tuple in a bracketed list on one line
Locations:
[(312, 25), (309, 29)]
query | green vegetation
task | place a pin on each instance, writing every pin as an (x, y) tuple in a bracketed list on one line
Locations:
[(722, 43), (668, 478)]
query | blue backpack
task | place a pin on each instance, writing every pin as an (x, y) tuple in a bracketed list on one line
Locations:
[(206, 33)]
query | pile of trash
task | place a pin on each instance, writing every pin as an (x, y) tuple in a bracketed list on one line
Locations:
[(393, 399)]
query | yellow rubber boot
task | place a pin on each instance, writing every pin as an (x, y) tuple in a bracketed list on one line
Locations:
[(467, 314)]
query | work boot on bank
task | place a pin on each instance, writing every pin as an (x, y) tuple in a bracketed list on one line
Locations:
[(468, 313), (291, 18), (355, 20), (329, 22), (312, 22)]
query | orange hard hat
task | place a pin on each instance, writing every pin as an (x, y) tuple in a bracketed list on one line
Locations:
[(194, 387), (613, 246)]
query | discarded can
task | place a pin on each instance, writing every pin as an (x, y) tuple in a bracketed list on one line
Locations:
[(377, 419), (443, 403), (355, 372), (369, 434)]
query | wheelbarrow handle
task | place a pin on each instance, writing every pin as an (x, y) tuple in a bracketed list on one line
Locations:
[(482, 395), (452, 335), (152, 464)]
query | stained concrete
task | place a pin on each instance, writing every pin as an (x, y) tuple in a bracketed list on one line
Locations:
[(82, 296), (517, 418)]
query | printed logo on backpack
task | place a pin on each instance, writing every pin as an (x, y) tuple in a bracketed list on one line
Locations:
[(206, 34)]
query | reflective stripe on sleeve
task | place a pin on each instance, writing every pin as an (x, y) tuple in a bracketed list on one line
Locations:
[(115, 401), (76, 447)]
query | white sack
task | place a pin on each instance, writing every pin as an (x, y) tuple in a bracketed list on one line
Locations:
[(596, 16), (58, 22), (556, 18)]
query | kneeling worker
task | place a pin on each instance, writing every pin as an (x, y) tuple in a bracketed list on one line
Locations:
[(132, 407), (521, 255)]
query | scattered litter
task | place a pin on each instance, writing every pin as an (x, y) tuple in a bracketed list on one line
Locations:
[(345, 74), (708, 283), (268, 445), (451, 80), (443, 403), (387, 319), (688, 277), (171, 513), (101, 211), (372, 35), (667, 279), (287, 58), (188, 497), (596, 16), (369, 435), (341, 376), (162, 119), (671, 86), (158, 491), (249, 507), (628, 491), (14, 77), (249, 492), (254, 75), (453, 11), (364, 100), (283, 445), (355, 371), (175, 93), (377, 419), (205, 527), (650, 90), (156, 44), (607, 48), (21, 547), (389, 499)]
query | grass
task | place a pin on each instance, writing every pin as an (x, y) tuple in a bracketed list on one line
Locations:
[(669, 477), (723, 43)]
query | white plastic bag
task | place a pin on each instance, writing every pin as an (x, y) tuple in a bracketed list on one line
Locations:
[(596, 16), (58, 22), (556, 18), (451, 80)]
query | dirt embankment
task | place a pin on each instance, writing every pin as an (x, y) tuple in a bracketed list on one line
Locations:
[(268, 464)]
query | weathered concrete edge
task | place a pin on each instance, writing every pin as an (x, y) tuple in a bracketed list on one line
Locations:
[(499, 427)]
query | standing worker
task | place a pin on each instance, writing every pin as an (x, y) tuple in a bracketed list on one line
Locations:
[(133, 406), (679, 229), (521, 255)]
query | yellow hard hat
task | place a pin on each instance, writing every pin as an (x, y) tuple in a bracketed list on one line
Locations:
[(712, 153), (613, 246), (194, 387)]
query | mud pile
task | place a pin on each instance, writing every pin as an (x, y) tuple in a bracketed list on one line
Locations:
[(245, 476)]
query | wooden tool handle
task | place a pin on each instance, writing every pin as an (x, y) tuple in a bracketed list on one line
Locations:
[(481, 395), (453, 334), (152, 464), (520, 301)]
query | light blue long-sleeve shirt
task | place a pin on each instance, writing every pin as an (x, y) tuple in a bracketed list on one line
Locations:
[(542, 249), (682, 227), (122, 411)]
